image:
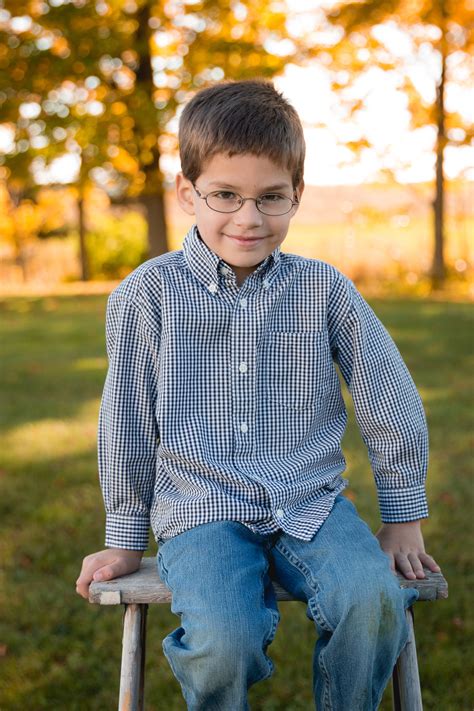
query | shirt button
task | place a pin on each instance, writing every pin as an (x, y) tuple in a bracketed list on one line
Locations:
[(243, 367), (212, 287), (224, 270), (266, 284), (243, 302), (279, 513), (244, 427)]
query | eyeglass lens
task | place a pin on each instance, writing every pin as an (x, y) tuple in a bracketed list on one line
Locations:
[(270, 204)]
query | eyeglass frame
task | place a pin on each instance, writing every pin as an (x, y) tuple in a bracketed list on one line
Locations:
[(243, 200)]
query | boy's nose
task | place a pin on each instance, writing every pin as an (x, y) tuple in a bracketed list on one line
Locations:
[(248, 215)]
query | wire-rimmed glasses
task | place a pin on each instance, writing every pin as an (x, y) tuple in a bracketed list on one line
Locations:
[(228, 201)]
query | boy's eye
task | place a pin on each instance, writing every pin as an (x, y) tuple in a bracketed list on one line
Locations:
[(225, 195), (272, 198)]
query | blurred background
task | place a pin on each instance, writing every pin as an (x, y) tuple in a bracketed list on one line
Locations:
[(91, 92), (90, 98)]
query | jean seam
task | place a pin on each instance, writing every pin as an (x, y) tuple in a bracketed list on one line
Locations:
[(162, 568), (274, 619), (326, 695), (315, 608), (177, 675)]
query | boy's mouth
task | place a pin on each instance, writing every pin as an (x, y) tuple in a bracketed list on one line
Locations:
[(241, 239)]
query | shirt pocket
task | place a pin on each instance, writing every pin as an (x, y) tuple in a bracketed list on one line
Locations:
[(297, 368)]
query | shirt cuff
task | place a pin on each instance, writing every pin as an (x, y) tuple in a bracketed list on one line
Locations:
[(129, 532), (403, 505)]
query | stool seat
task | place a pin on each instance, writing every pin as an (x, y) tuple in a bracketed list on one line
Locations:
[(144, 587)]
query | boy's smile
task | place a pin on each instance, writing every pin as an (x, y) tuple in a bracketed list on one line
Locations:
[(244, 238)]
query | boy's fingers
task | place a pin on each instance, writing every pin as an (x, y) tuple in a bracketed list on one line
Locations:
[(105, 565), (416, 565), (87, 576), (116, 568), (430, 563), (82, 584), (90, 566), (404, 566), (107, 572)]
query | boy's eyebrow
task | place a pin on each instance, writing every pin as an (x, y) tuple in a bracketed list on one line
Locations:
[(276, 186)]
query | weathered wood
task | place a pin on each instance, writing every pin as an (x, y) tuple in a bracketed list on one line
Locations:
[(146, 587), (133, 658), (110, 597), (406, 678)]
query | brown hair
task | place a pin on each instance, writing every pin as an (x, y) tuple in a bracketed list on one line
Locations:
[(241, 117)]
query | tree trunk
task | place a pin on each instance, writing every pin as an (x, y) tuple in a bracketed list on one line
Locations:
[(82, 239), (153, 195), (438, 271), (157, 232)]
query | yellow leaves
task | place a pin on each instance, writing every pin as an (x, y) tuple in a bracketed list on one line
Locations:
[(149, 140), (118, 108), (18, 225), (235, 59), (54, 210), (253, 59), (124, 162), (130, 56), (100, 93), (60, 47), (146, 158), (128, 123), (27, 218), (6, 225)]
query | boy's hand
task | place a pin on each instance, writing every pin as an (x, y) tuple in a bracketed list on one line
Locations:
[(105, 565), (403, 543)]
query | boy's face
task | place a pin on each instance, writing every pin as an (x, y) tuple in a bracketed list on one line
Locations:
[(246, 237)]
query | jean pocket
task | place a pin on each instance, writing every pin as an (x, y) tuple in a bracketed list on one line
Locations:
[(297, 368)]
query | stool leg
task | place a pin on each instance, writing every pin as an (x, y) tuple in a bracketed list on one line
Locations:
[(406, 678), (132, 676)]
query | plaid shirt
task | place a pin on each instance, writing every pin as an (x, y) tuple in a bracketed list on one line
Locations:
[(224, 403)]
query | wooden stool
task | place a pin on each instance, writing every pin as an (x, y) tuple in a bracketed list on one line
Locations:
[(143, 588)]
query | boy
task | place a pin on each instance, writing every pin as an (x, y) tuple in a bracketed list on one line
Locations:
[(222, 418)]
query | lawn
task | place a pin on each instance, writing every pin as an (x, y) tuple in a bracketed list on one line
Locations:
[(56, 651)]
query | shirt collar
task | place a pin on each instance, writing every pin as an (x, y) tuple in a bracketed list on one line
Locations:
[(210, 269)]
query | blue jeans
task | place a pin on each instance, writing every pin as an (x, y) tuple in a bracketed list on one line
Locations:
[(219, 574)]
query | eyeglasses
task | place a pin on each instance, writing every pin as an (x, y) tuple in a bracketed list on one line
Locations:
[(228, 201)]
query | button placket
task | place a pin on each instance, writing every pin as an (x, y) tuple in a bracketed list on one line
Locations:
[(243, 376)]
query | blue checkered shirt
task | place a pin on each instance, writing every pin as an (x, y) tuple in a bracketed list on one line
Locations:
[(224, 403)]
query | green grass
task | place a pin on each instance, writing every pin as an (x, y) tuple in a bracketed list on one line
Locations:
[(56, 651)]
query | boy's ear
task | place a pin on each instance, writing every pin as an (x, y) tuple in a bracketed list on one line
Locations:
[(299, 190), (184, 193)]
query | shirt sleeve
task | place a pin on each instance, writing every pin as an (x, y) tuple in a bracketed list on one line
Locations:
[(387, 405), (128, 434)]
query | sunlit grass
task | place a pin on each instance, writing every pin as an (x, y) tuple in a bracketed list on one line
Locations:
[(60, 652)]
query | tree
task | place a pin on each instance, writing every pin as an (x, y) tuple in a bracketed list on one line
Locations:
[(443, 27), (102, 80)]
